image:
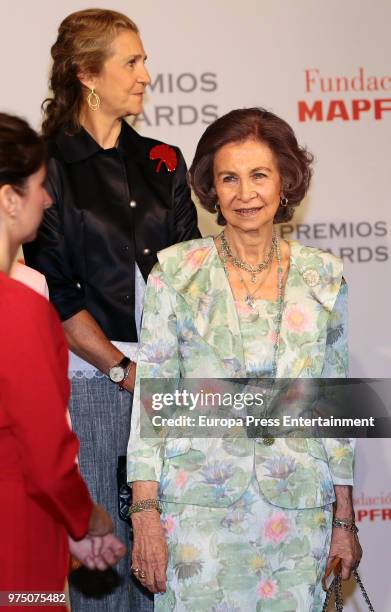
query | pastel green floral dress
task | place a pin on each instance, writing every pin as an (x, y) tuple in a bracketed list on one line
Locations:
[(252, 555)]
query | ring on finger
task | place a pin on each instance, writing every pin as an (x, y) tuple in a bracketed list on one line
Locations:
[(142, 575), (135, 570)]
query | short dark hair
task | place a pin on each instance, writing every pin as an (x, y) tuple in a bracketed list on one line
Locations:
[(293, 162), (22, 151)]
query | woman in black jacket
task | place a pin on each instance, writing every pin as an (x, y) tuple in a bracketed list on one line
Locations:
[(118, 199)]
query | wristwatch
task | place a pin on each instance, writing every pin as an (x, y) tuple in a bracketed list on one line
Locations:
[(118, 372)]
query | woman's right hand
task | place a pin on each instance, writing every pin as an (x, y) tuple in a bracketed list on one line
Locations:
[(150, 553), (97, 552), (100, 522)]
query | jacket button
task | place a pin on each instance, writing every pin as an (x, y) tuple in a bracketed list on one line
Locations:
[(125, 247), (78, 286), (132, 203), (146, 251), (125, 299)]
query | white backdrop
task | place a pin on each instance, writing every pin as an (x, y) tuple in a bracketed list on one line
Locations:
[(324, 67)]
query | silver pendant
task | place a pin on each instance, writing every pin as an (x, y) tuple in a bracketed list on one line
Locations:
[(249, 300)]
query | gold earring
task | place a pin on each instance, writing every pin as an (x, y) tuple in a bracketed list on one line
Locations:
[(93, 100)]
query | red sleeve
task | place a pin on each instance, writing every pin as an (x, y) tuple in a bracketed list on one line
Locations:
[(34, 394)]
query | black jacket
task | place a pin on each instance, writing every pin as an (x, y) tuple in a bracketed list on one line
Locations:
[(111, 207)]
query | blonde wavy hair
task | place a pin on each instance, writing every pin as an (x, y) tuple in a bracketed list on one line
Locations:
[(82, 45)]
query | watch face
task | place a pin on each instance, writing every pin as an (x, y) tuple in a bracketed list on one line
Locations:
[(117, 374)]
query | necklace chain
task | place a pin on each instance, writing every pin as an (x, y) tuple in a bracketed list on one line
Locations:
[(275, 248), (243, 265), (249, 297)]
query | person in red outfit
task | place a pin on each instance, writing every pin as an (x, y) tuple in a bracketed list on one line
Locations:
[(45, 507)]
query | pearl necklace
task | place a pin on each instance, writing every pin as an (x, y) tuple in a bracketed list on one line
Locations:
[(268, 439)]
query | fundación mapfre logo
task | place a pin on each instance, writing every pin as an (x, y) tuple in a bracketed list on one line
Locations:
[(372, 508), (185, 98), (345, 97)]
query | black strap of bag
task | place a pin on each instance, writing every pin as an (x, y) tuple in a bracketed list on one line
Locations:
[(124, 491), (335, 589)]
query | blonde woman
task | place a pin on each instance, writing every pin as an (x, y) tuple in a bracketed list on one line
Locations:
[(118, 198)]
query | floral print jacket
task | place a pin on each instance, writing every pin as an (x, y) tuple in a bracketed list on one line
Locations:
[(191, 329)]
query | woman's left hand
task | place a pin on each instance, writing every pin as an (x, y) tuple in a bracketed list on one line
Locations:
[(345, 545)]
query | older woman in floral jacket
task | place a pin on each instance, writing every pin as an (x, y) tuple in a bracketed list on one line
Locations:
[(249, 525)]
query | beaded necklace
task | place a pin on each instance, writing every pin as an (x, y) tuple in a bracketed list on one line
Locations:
[(267, 439), (243, 265)]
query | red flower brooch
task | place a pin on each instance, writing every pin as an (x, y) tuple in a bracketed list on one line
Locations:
[(165, 154)]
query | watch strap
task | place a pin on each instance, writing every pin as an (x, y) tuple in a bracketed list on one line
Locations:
[(123, 381), (124, 363)]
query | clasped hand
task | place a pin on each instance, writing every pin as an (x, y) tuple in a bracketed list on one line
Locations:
[(100, 548), (98, 552)]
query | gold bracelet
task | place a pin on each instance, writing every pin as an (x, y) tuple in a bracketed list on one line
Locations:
[(145, 504)]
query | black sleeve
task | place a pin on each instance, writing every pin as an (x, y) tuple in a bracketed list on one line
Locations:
[(185, 211), (49, 254)]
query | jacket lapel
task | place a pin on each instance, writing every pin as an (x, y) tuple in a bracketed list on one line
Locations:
[(143, 177), (312, 287), (196, 273)]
